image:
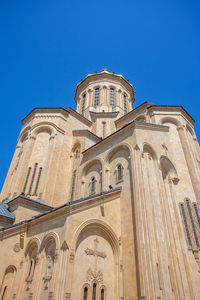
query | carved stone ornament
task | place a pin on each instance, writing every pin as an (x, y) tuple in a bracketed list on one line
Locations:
[(196, 256), (16, 247), (174, 179), (98, 276), (165, 148), (137, 148)]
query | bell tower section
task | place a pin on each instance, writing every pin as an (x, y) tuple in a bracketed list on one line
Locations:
[(104, 92)]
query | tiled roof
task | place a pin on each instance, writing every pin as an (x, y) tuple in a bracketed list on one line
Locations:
[(5, 212)]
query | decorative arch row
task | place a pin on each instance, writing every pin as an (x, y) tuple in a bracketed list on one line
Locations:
[(116, 162), (40, 135), (94, 291), (49, 246), (96, 97)]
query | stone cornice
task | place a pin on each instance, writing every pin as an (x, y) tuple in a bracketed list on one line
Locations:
[(65, 209), (134, 124), (104, 114), (80, 117), (151, 107), (132, 112), (174, 108), (54, 112), (49, 111), (105, 74), (86, 133), (28, 201)]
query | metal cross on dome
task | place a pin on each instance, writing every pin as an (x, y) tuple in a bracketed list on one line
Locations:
[(95, 253)]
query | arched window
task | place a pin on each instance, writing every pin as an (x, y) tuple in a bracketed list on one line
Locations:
[(119, 172), (94, 291), (96, 97), (125, 104), (83, 104), (102, 294), (112, 97), (93, 181), (85, 293)]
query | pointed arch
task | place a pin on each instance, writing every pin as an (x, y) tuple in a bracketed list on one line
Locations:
[(87, 167), (147, 148), (11, 269), (103, 227), (43, 127), (169, 120), (34, 242), (48, 237), (123, 146), (76, 145), (167, 168)]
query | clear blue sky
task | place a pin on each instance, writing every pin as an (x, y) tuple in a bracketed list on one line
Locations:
[(47, 46)]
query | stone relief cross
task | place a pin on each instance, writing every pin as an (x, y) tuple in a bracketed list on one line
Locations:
[(95, 253)]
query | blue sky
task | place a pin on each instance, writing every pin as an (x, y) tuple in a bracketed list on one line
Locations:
[(46, 47)]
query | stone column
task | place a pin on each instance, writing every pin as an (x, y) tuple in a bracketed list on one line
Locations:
[(53, 284), (70, 272), (101, 95), (22, 274), (154, 241), (140, 220), (119, 99), (171, 265), (190, 162), (38, 276), (60, 292)]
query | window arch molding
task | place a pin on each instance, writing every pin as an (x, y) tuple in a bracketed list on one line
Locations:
[(51, 236), (35, 242), (147, 148), (86, 168), (76, 147), (106, 231), (102, 287), (94, 290), (174, 121), (168, 169), (86, 285), (6, 286), (10, 269), (122, 146), (47, 127)]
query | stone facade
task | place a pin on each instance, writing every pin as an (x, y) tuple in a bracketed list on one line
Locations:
[(102, 202)]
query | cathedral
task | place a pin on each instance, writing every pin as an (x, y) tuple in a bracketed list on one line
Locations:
[(102, 202)]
